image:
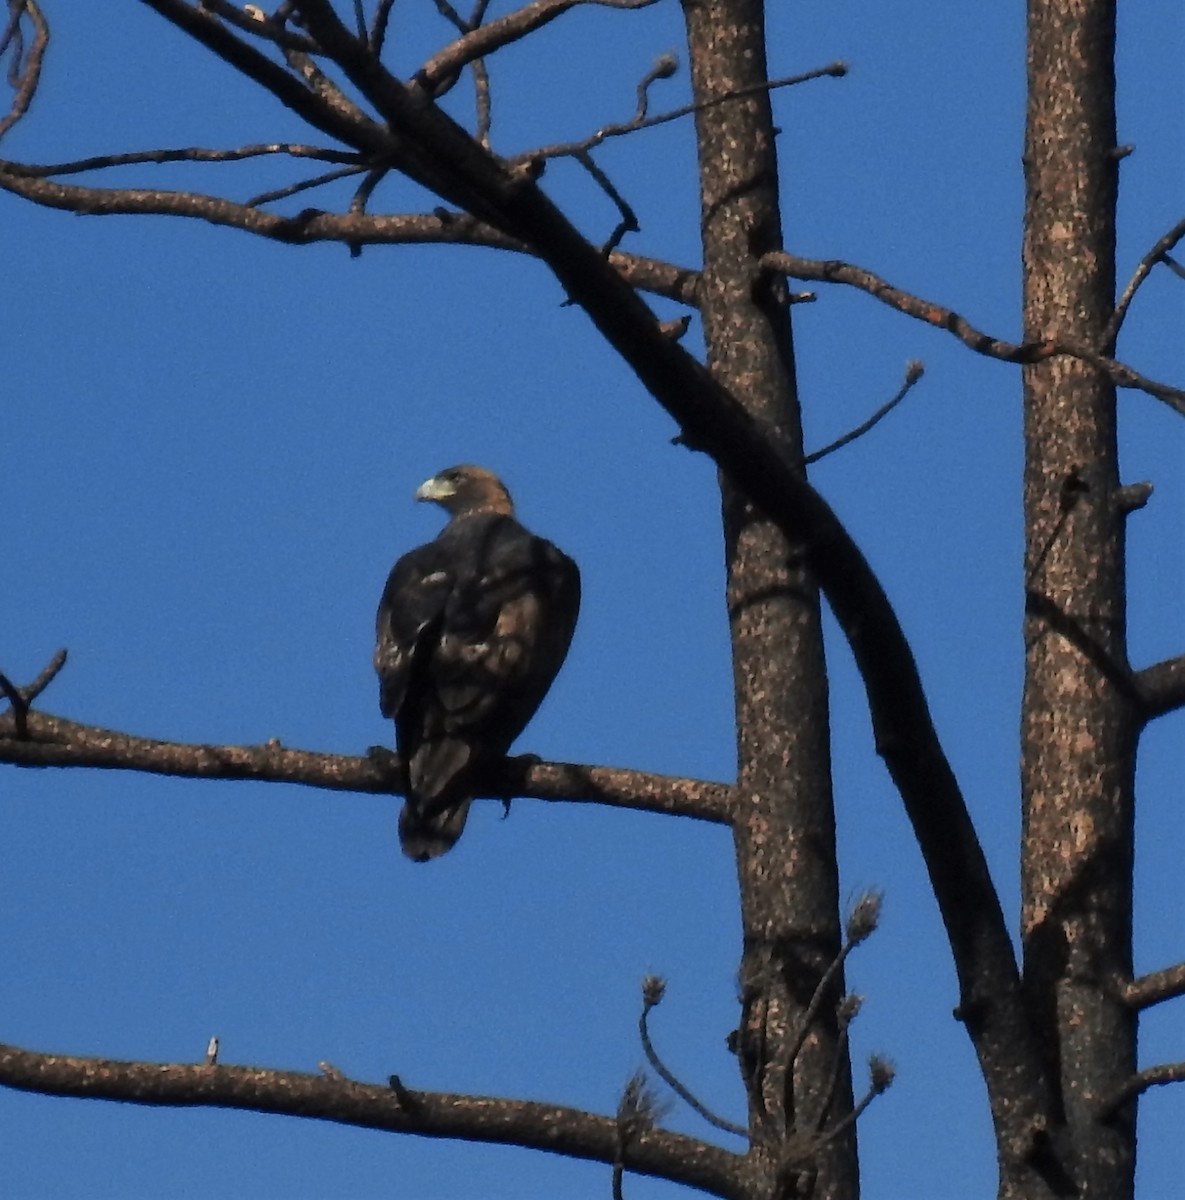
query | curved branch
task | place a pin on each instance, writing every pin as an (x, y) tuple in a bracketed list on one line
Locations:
[(1161, 687), (673, 282), (24, 76), (50, 741), (396, 1109), (484, 40), (834, 271)]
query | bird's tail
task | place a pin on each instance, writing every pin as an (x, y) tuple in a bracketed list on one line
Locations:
[(428, 835)]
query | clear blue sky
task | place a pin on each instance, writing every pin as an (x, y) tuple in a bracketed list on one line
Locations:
[(207, 454)]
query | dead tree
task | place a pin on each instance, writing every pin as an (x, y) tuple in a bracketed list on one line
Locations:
[(1055, 1034)]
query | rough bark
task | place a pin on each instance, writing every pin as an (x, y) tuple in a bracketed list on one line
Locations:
[(785, 827), (1080, 710)]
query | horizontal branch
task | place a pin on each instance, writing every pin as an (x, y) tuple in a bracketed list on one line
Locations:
[(1156, 987), (834, 271), (51, 741), (554, 1128), (673, 282), (1161, 687), (194, 154)]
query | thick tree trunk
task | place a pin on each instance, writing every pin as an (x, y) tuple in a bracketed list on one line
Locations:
[(1079, 722), (785, 829)]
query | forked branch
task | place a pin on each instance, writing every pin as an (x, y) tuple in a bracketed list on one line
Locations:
[(834, 271)]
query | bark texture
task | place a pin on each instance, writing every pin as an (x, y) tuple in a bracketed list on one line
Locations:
[(785, 826), (1080, 710)]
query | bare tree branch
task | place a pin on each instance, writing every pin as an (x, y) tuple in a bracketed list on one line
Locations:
[(1161, 687), (653, 990), (51, 741), (1156, 987), (270, 29), (433, 149), (641, 121), (194, 154), (1158, 253), (676, 283), (482, 41), (1140, 1082), (913, 372), (25, 70), (304, 185), (834, 271), (396, 1109)]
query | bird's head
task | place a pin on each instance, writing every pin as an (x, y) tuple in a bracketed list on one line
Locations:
[(467, 489)]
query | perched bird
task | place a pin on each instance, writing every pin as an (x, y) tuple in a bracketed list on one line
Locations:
[(472, 628)]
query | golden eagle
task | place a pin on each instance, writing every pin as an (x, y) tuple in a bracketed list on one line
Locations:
[(472, 628)]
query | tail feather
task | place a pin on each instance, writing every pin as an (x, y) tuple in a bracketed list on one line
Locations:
[(428, 835)]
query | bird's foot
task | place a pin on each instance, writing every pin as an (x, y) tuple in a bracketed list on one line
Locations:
[(384, 759)]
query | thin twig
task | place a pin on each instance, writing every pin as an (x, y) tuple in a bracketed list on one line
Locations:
[(482, 40), (861, 924), (378, 31), (21, 699), (845, 1014), (650, 988), (913, 372), (635, 123), (26, 79), (1158, 253), (629, 221), (882, 1078), (271, 29), (19, 705), (197, 154), (1174, 266), (304, 185)]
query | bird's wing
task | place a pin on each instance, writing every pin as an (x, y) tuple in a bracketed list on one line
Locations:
[(408, 623)]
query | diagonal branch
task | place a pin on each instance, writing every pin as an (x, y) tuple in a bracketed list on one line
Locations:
[(1140, 1082), (436, 74), (1158, 253), (205, 28), (914, 370), (550, 1127), (1161, 687), (1156, 987), (834, 271), (50, 741)]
